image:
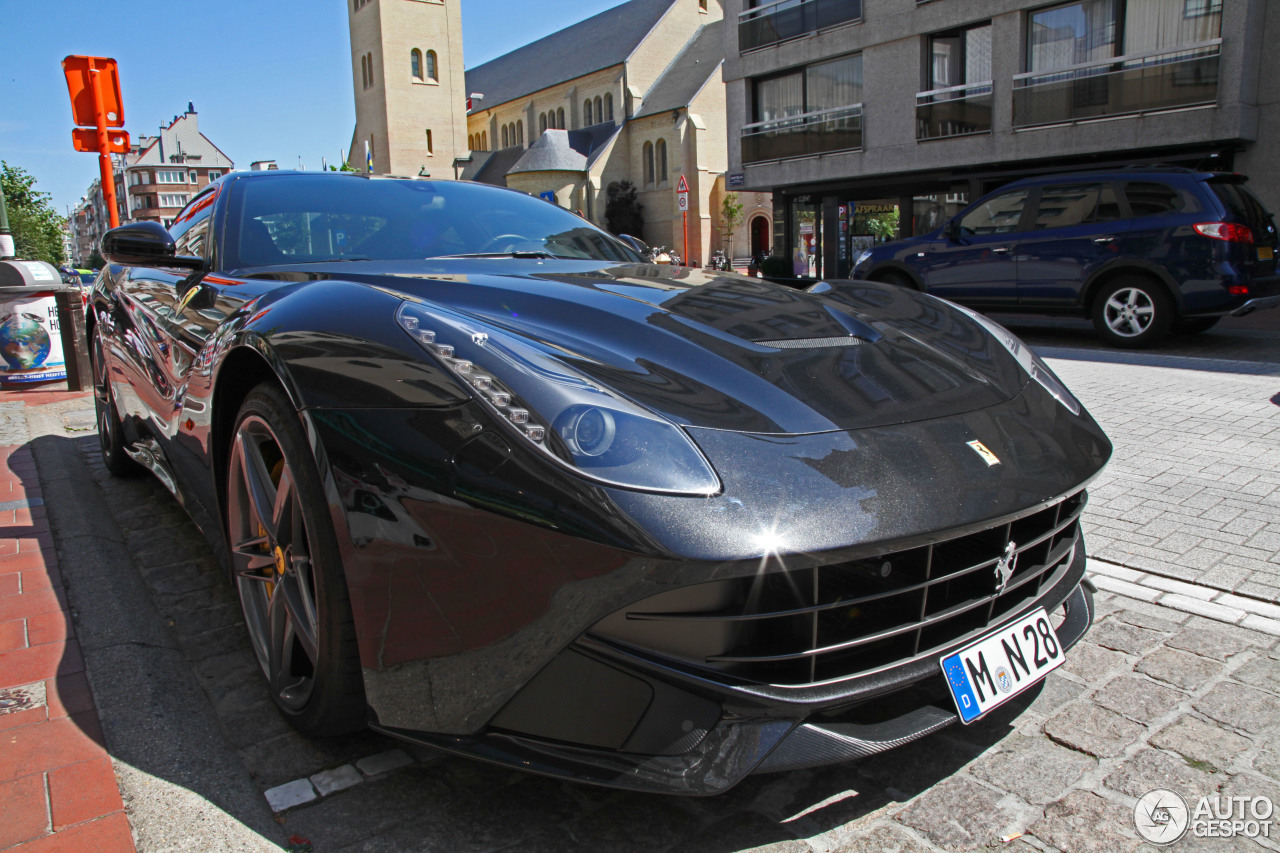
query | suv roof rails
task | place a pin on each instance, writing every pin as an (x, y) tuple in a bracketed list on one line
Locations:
[(1162, 167)]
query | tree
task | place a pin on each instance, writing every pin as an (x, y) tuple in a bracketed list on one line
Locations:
[(623, 213), (36, 226), (730, 219), (885, 227)]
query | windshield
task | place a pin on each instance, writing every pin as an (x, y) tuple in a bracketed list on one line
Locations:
[(300, 219)]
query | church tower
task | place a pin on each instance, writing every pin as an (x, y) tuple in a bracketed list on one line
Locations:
[(406, 61)]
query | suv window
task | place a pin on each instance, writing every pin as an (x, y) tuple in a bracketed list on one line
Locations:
[(1076, 204), (1148, 198), (997, 215), (1241, 203)]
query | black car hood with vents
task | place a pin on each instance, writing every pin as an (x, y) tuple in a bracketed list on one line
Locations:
[(723, 351)]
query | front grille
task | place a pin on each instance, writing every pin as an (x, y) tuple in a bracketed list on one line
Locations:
[(830, 622)]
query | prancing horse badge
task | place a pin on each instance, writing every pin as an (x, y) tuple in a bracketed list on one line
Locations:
[(987, 456)]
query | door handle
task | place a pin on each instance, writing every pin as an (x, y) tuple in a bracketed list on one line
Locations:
[(1104, 240), (1002, 250)]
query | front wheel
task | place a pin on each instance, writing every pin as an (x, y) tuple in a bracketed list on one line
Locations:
[(110, 430), (288, 572), (1132, 313)]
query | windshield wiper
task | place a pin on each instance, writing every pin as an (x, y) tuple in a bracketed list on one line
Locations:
[(518, 255)]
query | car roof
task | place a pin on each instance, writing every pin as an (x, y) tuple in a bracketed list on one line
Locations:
[(1125, 173)]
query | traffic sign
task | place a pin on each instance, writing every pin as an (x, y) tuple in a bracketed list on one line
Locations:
[(683, 186), (80, 71), (86, 139), (682, 194)]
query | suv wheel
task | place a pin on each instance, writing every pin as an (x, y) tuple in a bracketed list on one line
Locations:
[(1132, 312)]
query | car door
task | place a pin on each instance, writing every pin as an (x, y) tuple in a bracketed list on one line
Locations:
[(974, 262), (1075, 229)]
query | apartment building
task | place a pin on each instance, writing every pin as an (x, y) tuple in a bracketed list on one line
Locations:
[(161, 173), (852, 111)]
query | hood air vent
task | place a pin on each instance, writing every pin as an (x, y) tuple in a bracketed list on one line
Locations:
[(813, 343)]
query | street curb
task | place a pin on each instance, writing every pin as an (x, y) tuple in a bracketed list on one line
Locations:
[(1226, 607)]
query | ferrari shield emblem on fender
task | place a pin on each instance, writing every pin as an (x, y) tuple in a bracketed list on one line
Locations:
[(987, 456)]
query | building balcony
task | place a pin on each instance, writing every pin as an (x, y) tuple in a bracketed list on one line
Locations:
[(780, 20), (953, 111), (805, 135), (140, 189), (1124, 85)]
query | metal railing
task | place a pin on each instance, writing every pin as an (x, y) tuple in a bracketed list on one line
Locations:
[(954, 111), (785, 19), (1122, 85), (804, 135)]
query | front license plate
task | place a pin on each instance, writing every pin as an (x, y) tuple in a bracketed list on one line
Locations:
[(1265, 253), (1002, 664)]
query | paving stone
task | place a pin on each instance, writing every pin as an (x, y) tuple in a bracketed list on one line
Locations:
[(1138, 699), (1267, 761), (1056, 692), (384, 762), (1151, 617), (1216, 644), (1208, 609), (1261, 624), (1262, 672), (750, 831), (290, 794), (1151, 769), (1124, 638), (958, 814), (880, 839), (327, 782), (919, 765), (1181, 669), (1241, 707), (1093, 730), (1092, 664), (1034, 768), (1083, 822), (1201, 741)]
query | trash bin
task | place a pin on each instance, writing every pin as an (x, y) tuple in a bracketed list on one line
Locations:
[(30, 336)]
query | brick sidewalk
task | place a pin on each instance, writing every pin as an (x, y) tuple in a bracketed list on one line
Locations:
[(57, 784)]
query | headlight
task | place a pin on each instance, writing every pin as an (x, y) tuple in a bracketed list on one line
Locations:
[(559, 411), (1031, 363)]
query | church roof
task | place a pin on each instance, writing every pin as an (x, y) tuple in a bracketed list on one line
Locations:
[(600, 41), (551, 153), (687, 74)]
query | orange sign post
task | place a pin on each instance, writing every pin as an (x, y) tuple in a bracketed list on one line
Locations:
[(96, 106), (682, 200)]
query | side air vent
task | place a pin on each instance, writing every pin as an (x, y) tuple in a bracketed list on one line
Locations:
[(813, 343)]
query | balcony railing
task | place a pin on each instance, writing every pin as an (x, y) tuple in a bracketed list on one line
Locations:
[(1124, 85), (786, 19), (803, 135), (954, 111)]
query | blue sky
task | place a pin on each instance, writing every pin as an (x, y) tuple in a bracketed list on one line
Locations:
[(270, 79)]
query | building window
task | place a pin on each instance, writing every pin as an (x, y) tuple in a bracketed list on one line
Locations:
[(484, 140), (430, 149), (600, 110), (169, 176), (661, 155), (505, 141), (369, 56), (810, 111), (586, 113), (415, 63), (471, 142), (957, 90), (648, 164), (520, 132), (432, 73), (560, 118), (194, 176), (608, 107), (542, 123), (174, 199), (214, 174)]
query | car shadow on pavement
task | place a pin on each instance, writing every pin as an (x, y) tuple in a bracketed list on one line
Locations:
[(189, 721)]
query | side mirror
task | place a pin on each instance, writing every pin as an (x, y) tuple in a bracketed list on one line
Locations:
[(951, 230), (144, 244)]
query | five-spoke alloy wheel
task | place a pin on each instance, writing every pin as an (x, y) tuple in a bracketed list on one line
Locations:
[(287, 570), (110, 431), (1132, 312)]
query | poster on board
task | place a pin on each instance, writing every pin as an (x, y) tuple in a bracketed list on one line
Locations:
[(30, 341)]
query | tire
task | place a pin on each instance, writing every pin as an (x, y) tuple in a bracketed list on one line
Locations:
[(1195, 325), (110, 429), (1132, 312), (896, 279), (287, 570)]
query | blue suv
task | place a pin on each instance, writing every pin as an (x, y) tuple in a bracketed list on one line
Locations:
[(1141, 251)]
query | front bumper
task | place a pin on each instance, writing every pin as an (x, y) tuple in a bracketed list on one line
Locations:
[(697, 734)]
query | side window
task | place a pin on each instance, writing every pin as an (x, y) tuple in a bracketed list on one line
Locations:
[(1076, 204), (1147, 198), (997, 215), (190, 229)]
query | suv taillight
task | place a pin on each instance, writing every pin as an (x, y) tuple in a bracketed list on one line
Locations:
[(1232, 232)]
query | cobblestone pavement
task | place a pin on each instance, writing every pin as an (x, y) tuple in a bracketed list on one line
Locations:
[(1153, 697)]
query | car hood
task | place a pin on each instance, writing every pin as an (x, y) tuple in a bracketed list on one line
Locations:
[(722, 351)]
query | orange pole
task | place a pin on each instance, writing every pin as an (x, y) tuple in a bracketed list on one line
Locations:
[(685, 217), (104, 149)]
